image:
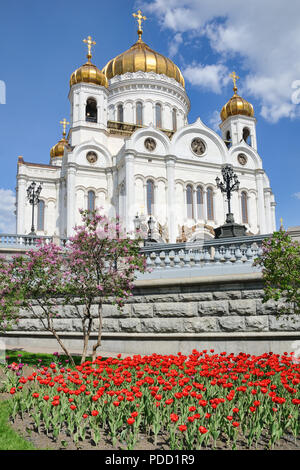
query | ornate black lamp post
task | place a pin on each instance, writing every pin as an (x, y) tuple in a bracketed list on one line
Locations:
[(33, 195), (151, 225), (229, 184)]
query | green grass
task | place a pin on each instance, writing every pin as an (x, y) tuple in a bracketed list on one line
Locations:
[(9, 439), (38, 359)]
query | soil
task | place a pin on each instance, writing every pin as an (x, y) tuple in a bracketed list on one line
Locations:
[(40, 440)]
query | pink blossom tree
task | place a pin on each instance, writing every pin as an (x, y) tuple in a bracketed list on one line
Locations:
[(98, 264)]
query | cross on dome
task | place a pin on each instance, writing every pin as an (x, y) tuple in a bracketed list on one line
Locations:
[(89, 42), (234, 77), (64, 124), (139, 17)]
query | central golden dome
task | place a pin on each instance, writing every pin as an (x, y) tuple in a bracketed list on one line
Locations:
[(140, 57)]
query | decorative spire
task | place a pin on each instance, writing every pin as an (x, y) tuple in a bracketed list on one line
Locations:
[(234, 77), (89, 41), (64, 124), (281, 223), (139, 17)]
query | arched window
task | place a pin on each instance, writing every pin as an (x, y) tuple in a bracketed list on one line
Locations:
[(246, 135), (91, 200), (228, 139), (199, 202), (41, 215), (120, 113), (244, 203), (189, 202), (210, 204), (158, 120), (150, 196), (139, 113), (174, 119), (91, 110)]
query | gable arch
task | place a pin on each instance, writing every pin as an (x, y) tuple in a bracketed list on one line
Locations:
[(81, 150), (254, 161), (137, 139), (216, 150)]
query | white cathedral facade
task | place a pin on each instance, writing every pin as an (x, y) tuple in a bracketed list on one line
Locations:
[(131, 151)]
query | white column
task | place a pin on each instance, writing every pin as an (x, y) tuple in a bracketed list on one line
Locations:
[(195, 204), (129, 192), (62, 214), (261, 202), (56, 208), (71, 198), (82, 103), (205, 205), (167, 117), (110, 194), (21, 195), (273, 205), (171, 213), (268, 211), (148, 114)]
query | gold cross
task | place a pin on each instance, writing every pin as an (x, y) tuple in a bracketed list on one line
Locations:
[(234, 77), (139, 18), (281, 222), (89, 43), (64, 123)]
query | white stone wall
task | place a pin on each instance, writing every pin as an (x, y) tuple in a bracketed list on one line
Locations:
[(149, 89)]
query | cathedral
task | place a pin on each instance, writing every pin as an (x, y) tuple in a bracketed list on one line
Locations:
[(131, 151)]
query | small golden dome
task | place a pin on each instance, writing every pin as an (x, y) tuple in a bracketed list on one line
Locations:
[(236, 105), (140, 57), (88, 72), (58, 149)]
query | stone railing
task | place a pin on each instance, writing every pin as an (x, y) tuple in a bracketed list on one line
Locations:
[(21, 241), (208, 257)]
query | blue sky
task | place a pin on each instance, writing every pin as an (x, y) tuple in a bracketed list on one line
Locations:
[(41, 45)]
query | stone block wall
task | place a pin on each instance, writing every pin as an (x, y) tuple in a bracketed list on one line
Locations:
[(167, 316)]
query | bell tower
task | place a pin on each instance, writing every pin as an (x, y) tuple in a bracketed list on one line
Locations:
[(88, 99), (238, 121)]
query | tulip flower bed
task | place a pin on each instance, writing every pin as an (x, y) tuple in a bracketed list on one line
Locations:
[(194, 401)]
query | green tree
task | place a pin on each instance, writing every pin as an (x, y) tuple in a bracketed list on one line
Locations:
[(280, 262), (98, 264)]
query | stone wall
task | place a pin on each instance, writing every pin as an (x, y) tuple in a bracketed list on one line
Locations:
[(167, 316)]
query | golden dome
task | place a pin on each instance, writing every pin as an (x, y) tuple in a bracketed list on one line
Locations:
[(88, 72), (140, 57), (58, 149), (236, 105)]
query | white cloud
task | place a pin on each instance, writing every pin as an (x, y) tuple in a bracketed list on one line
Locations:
[(215, 120), (263, 36), (211, 77), (297, 195), (7, 208), (174, 45)]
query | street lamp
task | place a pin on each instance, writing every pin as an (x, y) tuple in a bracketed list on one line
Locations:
[(33, 195), (151, 225), (138, 227), (229, 184), (137, 223)]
